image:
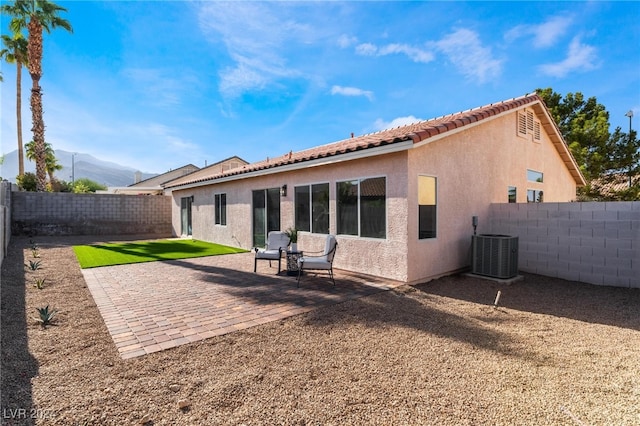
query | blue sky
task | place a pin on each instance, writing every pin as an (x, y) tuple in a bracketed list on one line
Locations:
[(155, 85)]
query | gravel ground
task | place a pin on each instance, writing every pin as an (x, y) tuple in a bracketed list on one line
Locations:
[(554, 352)]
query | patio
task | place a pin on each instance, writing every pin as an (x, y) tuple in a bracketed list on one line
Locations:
[(149, 307)]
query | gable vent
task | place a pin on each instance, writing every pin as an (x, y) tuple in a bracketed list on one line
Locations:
[(528, 125)]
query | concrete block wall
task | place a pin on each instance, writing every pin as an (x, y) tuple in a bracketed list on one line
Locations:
[(594, 242), (5, 218), (43, 213)]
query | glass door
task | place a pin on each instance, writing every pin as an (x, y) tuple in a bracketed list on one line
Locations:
[(265, 214), (185, 215)]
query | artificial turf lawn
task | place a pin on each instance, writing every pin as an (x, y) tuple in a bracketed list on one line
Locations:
[(91, 256)]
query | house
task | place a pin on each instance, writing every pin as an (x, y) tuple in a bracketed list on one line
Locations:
[(400, 201), (151, 186)]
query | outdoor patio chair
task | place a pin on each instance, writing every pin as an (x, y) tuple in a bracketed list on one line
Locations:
[(322, 262), (277, 243)]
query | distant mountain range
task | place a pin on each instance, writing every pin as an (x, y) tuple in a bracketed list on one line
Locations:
[(86, 166)]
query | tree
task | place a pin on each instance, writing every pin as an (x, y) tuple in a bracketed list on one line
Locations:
[(15, 52), (84, 185), (36, 16), (50, 160), (584, 125), (601, 156)]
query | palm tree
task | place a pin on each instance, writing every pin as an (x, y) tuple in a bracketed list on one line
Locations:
[(36, 16), (15, 51), (51, 162)]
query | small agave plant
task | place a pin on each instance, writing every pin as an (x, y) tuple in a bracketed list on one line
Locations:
[(33, 265), (46, 315), (39, 283)]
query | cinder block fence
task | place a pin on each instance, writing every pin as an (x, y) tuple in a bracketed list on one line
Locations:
[(595, 242), (43, 213)]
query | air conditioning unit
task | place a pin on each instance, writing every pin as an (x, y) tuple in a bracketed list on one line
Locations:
[(494, 255)]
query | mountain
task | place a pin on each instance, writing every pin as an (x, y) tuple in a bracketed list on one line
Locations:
[(85, 166)]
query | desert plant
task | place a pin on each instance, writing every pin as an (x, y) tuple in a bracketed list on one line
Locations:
[(46, 315), (33, 265), (39, 283), (35, 253), (292, 233)]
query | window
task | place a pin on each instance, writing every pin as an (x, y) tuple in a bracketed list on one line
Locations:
[(361, 207), (426, 207), (221, 209), (512, 194), (534, 196), (533, 176), (312, 208)]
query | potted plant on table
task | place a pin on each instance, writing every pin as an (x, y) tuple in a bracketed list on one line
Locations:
[(292, 233)]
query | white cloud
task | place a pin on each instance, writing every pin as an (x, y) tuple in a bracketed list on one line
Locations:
[(580, 58), (396, 122), (345, 41), (414, 53), (351, 91), (469, 56), (545, 34), (256, 36)]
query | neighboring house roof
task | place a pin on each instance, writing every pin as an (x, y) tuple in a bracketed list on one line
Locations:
[(157, 181), (396, 139), (615, 183), (211, 170)]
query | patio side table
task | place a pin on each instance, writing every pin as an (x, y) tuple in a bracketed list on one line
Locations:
[(292, 262)]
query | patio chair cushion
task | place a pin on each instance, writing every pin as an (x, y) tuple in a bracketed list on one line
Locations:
[(267, 254), (309, 262)]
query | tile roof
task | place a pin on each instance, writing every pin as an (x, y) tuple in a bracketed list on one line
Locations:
[(611, 184), (415, 133)]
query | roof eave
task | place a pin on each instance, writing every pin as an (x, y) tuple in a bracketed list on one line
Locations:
[(305, 164)]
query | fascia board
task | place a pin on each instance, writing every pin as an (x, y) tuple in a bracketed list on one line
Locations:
[(335, 159)]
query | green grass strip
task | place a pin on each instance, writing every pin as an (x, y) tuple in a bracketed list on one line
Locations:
[(92, 256)]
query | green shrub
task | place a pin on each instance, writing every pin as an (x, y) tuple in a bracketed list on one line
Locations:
[(27, 182)]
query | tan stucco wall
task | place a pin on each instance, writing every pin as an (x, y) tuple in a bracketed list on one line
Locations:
[(474, 168), (380, 257)]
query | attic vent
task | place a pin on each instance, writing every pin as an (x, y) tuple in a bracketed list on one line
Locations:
[(536, 130), (530, 121), (528, 125), (522, 124)]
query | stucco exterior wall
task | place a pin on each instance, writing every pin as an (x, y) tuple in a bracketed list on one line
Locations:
[(474, 168), (380, 257)]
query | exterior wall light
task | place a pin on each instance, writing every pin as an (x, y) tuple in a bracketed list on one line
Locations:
[(283, 190)]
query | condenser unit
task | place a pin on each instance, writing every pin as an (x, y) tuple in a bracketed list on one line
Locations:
[(494, 255)]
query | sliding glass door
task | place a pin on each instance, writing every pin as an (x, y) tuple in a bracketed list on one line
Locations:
[(266, 214)]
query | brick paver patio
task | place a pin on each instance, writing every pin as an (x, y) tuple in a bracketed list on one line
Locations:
[(149, 307)]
